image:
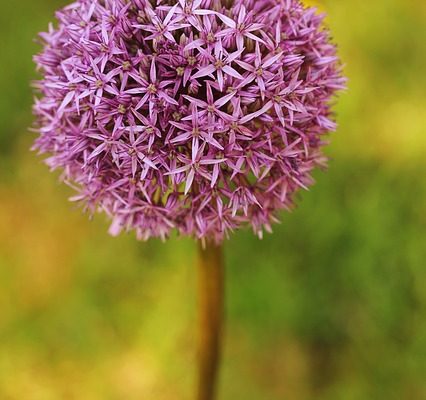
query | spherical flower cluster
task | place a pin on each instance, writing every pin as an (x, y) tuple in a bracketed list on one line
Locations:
[(194, 115)]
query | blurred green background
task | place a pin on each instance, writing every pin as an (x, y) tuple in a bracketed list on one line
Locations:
[(331, 306)]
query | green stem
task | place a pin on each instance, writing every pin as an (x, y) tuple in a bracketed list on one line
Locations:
[(210, 314)]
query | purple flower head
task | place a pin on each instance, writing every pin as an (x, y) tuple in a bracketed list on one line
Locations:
[(200, 116)]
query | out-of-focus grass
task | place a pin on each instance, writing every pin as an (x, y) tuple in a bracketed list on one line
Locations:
[(19, 23), (331, 306), (381, 43)]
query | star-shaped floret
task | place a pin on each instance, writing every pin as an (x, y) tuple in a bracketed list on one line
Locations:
[(221, 63)]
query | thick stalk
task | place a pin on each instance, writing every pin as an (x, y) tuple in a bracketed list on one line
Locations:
[(210, 314)]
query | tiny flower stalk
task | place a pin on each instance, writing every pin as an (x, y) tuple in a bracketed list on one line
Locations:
[(210, 317)]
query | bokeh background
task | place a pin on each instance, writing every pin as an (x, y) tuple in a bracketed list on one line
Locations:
[(331, 306)]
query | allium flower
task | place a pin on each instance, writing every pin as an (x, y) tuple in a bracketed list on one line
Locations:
[(199, 116)]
